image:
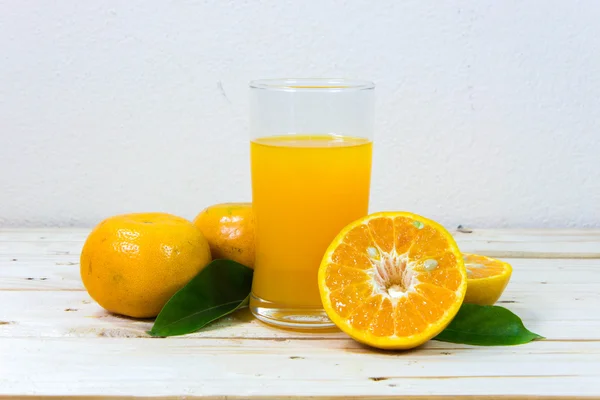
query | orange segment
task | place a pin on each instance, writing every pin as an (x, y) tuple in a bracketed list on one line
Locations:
[(363, 314), (339, 276), (408, 321), (405, 229), (382, 231), (383, 323), (487, 278), (347, 299), (448, 278), (428, 243), (350, 257), (392, 280), (438, 296), (359, 238), (427, 309)]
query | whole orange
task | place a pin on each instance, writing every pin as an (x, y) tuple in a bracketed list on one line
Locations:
[(229, 229), (132, 264)]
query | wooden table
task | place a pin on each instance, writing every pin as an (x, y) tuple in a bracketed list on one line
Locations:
[(54, 340)]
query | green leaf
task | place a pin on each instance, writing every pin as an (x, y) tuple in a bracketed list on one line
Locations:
[(486, 326), (222, 287)]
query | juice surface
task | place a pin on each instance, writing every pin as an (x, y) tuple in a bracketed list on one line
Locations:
[(305, 189)]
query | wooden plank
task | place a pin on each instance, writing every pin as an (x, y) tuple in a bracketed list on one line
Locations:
[(44, 234), (531, 243), (45, 316), (521, 243), (62, 272), (79, 234), (216, 367), (293, 397), (43, 275), (545, 234), (74, 314)]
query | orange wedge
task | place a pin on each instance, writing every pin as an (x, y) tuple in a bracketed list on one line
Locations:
[(487, 278), (392, 280)]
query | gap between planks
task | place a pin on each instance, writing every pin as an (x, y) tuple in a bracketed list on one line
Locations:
[(504, 243), (259, 397)]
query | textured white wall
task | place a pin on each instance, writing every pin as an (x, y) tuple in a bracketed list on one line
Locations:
[(488, 111)]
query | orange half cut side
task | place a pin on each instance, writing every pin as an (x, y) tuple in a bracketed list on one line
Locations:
[(486, 278), (392, 280)]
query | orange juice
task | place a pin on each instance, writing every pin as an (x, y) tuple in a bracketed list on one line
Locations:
[(305, 189)]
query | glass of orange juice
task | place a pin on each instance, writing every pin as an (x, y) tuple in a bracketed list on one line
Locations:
[(310, 150)]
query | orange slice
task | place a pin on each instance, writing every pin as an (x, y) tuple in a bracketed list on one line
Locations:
[(392, 280), (487, 278)]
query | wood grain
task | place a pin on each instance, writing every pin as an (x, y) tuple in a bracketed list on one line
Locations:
[(55, 341)]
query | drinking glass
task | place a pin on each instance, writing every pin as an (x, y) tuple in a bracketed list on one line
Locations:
[(311, 151)]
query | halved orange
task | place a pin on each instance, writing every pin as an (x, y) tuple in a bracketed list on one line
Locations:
[(486, 278), (392, 280)]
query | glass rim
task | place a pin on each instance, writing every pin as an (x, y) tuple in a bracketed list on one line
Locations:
[(312, 84)]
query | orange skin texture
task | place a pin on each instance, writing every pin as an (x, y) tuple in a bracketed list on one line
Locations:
[(132, 264), (229, 229)]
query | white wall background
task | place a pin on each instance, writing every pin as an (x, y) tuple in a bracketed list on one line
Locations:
[(488, 111)]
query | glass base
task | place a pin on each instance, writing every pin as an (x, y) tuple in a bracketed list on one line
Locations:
[(291, 318)]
